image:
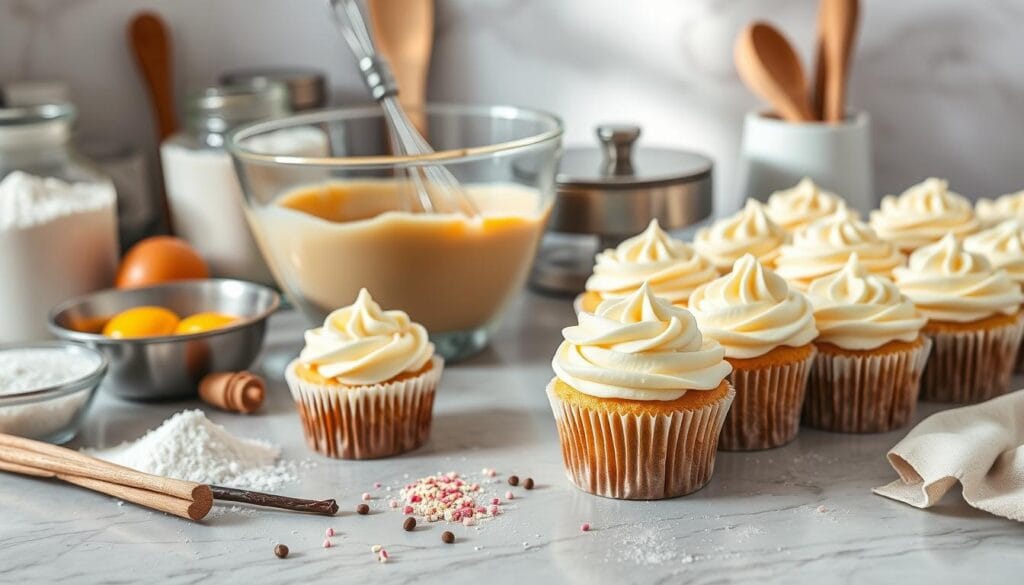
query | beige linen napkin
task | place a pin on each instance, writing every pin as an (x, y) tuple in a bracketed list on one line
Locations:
[(981, 446)]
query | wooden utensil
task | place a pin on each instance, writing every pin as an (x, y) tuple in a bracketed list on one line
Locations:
[(182, 498), (771, 69), (151, 44), (837, 21), (404, 30)]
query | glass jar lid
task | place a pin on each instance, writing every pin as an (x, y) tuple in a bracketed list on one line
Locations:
[(617, 163), (307, 88), (218, 109)]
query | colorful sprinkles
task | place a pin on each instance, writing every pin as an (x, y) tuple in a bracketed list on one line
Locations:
[(447, 497)]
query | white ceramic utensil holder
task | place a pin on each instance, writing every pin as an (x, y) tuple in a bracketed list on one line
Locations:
[(776, 154)]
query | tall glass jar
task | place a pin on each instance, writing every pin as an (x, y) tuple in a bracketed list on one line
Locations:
[(203, 193), (58, 220)]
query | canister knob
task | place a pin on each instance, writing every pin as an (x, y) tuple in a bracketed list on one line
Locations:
[(617, 141)]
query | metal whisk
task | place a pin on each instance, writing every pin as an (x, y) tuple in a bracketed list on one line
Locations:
[(437, 190)]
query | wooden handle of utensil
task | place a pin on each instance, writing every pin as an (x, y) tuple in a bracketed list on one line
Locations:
[(404, 30)]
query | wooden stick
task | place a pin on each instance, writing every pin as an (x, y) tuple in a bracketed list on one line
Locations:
[(322, 507), (68, 462), (188, 509)]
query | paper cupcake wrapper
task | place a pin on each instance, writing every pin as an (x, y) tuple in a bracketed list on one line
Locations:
[(971, 366), (766, 412), (366, 422), (870, 393), (639, 457)]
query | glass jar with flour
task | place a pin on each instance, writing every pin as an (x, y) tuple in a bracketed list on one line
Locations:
[(203, 193)]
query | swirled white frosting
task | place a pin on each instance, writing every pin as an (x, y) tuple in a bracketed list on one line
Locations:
[(993, 211), (799, 206), (671, 268), (823, 247), (1003, 246), (750, 231), (923, 214), (361, 345), (857, 310), (948, 283), (639, 347), (752, 311)]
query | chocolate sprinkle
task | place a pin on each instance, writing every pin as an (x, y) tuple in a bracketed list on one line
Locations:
[(362, 509), (281, 551), (528, 483), (447, 537), (409, 524), (513, 480)]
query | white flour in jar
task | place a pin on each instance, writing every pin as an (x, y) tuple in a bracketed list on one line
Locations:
[(57, 240), (189, 446), (24, 370)]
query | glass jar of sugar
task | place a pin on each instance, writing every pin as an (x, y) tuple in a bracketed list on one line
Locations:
[(58, 220), (203, 192)]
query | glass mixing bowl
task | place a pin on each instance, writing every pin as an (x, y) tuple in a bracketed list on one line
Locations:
[(350, 219)]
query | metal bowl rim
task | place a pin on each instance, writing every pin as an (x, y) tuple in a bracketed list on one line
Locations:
[(100, 339), (90, 381)]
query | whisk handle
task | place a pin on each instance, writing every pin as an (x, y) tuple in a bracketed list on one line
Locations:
[(378, 77)]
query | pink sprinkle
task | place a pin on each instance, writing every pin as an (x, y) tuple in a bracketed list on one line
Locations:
[(510, 496), (467, 521), (366, 496), (330, 532), (407, 510), (585, 527), (382, 556), (327, 543), (376, 484), (495, 501), (393, 503), (415, 498), (493, 510)]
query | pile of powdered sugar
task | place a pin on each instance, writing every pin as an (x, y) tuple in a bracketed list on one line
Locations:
[(189, 446), (27, 200)]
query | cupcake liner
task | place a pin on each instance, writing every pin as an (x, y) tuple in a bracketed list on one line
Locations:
[(865, 393), (971, 366), (366, 422), (639, 457), (766, 412)]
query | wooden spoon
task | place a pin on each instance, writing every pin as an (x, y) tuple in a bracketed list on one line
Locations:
[(838, 22), (151, 44), (404, 30), (771, 69)]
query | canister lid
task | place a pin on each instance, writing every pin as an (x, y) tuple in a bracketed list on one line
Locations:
[(619, 164), (307, 88)]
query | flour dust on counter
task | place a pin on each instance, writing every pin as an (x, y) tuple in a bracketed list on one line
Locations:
[(189, 446)]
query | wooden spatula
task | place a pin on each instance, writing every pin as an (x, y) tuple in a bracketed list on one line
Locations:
[(404, 30), (151, 44), (837, 23), (771, 69)]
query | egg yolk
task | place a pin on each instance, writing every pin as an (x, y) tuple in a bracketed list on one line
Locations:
[(204, 322), (141, 322)]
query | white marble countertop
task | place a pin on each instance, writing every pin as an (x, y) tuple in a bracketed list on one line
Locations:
[(802, 513)]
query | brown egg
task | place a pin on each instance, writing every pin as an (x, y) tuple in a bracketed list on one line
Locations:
[(159, 259)]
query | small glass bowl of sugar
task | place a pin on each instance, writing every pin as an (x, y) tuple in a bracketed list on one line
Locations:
[(47, 387)]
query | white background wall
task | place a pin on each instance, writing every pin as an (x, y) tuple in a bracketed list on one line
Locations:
[(943, 79)]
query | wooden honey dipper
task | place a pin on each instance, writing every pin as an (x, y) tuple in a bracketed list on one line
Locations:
[(233, 391)]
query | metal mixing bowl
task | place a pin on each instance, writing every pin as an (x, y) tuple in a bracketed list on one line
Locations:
[(159, 368)]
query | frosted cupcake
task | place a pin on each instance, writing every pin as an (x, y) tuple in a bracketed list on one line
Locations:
[(767, 331), (1003, 246), (365, 382), (750, 231), (825, 246), (871, 354), (639, 397), (800, 206), (922, 215), (974, 321), (671, 268), (995, 211)]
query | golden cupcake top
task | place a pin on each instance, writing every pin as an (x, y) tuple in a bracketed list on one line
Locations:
[(750, 231), (1003, 246), (797, 207), (639, 347), (923, 214), (671, 268), (948, 283), (994, 211), (826, 245), (752, 310), (361, 344), (857, 310)]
